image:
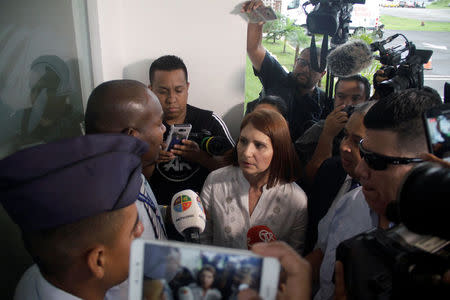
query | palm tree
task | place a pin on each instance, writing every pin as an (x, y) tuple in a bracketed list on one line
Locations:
[(298, 39)]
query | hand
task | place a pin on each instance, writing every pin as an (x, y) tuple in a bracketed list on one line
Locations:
[(248, 294), (249, 6), (165, 156), (335, 121), (188, 150), (298, 271), (339, 283)]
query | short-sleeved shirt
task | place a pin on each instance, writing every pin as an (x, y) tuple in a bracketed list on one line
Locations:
[(180, 174), (303, 110)]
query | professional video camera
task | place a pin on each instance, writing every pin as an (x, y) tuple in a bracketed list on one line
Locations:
[(402, 64), (328, 16), (397, 263), (214, 145)]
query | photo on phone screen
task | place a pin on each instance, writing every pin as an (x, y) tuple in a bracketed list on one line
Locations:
[(171, 270), (437, 125)]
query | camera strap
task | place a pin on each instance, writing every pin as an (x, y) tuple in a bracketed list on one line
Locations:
[(323, 54)]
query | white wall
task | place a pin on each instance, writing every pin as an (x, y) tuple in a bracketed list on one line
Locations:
[(126, 36)]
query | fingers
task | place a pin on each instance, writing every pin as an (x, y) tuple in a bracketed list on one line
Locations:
[(298, 270), (339, 282), (289, 259), (249, 6), (248, 294), (165, 156)]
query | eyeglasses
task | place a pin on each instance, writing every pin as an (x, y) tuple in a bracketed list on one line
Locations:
[(303, 63), (380, 162)]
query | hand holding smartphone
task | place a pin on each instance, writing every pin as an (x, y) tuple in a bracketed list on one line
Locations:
[(190, 268), (177, 133), (437, 128)]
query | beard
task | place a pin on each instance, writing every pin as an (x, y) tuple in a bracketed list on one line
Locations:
[(303, 80)]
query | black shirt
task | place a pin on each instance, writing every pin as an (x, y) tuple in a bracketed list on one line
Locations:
[(303, 110), (180, 174)]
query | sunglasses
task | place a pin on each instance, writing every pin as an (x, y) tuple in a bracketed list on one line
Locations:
[(380, 162)]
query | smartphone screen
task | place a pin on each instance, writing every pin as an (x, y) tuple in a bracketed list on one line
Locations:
[(437, 124), (185, 271), (177, 133)]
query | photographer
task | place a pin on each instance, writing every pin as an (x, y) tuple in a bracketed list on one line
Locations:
[(305, 101), (322, 140), (395, 138)]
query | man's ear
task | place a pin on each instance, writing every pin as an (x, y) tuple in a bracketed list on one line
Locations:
[(131, 131), (187, 86), (96, 261)]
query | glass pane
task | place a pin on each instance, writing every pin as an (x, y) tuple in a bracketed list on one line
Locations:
[(40, 90)]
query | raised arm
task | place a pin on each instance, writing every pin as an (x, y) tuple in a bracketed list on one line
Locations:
[(255, 49)]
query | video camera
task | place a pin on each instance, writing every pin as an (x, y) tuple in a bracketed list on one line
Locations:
[(403, 65), (331, 17), (213, 145), (397, 263)]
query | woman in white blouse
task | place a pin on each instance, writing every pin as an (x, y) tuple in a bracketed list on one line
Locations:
[(258, 189)]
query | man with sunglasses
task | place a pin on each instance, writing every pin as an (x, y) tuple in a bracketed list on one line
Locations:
[(306, 103), (394, 139)]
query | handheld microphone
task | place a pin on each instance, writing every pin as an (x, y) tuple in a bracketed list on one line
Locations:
[(259, 233), (349, 59), (188, 215)]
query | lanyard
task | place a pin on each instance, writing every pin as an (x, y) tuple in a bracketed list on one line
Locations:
[(146, 198)]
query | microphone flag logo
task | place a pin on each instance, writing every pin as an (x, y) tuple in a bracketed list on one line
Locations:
[(266, 236), (182, 203)]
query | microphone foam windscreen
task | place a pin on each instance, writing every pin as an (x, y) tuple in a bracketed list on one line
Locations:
[(187, 211), (349, 59)]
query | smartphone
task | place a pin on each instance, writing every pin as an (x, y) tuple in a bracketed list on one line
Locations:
[(262, 14), (173, 269), (177, 133), (437, 128)]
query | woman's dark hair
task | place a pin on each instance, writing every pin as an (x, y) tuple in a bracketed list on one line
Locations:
[(284, 167), (275, 101)]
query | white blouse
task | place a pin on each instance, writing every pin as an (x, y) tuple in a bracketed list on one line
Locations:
[(282, 208)]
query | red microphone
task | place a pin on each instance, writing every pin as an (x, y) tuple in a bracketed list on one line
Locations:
[(259, 233)]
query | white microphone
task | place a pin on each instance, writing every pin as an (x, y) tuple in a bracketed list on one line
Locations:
[(188, 215), (349, 59)]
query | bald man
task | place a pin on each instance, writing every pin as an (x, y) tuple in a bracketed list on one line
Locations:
[(129, 107)]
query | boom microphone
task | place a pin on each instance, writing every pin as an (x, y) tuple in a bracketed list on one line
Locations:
[(188, 215), (349, 59), (258, 234)]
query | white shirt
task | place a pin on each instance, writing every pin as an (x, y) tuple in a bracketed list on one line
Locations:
[(349, 217), (34, 286), (282, 208)]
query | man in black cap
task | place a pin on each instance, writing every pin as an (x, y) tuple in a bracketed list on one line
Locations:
[(129, 107), (74, 201)]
